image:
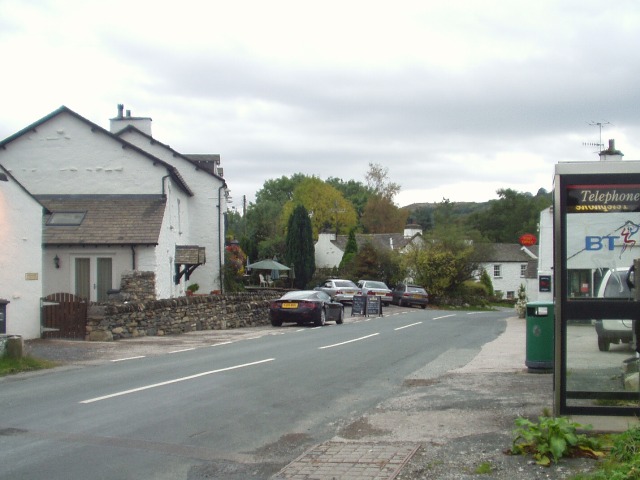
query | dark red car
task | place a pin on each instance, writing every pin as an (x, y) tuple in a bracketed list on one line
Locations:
[(305, 306)]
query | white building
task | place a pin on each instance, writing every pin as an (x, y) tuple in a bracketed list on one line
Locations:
[(20, 258), (119, 201), (510, 265)]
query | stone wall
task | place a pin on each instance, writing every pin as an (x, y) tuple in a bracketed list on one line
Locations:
[(135, 286), (113, 321)]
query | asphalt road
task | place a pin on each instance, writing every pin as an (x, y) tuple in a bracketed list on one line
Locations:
[(253, 404)]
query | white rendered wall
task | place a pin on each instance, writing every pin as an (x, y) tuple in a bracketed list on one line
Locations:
[(510, 279), (62, 280), (199, 213), (20, 259), (64, 156), (327, 255)]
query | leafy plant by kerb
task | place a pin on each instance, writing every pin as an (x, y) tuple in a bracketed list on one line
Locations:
[(551, 439)]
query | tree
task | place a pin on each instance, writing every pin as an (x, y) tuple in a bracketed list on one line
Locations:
[(382, 216), (378, 264), (329, 209), (379, 184), (510, 216), (264, 237), (350, 250), (355, 192), (299, 246)]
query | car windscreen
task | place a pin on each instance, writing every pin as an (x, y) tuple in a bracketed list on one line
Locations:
[(375, 285), (345, 284)]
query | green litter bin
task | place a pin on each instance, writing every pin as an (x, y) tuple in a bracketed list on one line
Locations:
[(540, 328)]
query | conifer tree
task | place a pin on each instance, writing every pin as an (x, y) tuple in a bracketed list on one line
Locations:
[(300, 251)]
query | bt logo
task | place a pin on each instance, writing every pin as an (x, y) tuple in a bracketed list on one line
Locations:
[(608, 242)]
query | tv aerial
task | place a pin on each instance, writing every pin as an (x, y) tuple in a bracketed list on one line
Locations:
[(600, 145)]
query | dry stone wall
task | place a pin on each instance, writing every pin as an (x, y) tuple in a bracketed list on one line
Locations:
[(113, 321)]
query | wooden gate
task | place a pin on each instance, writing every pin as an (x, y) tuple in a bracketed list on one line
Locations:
[(64, 316)]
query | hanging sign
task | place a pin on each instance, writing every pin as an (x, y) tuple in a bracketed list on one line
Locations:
[(528, 239)]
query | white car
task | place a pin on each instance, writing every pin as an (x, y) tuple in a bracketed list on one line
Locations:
[(339, 289), (614, 285), (373, 287)]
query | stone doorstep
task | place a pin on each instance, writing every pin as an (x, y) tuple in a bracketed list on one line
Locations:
[(350, 461)]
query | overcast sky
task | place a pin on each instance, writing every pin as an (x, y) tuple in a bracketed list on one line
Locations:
[(456, 98)]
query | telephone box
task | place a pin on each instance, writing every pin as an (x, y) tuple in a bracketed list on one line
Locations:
[(596, 245)]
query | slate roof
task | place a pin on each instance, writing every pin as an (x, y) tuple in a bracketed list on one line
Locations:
[(379, 240), (109, 219), (507, 252), (207, 162)]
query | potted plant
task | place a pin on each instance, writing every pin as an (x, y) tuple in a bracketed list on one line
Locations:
[(193, 288)]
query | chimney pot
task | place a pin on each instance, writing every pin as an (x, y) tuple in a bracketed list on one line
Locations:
[(120, 109)]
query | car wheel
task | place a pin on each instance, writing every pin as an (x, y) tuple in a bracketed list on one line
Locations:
[(322, 319), (603, 344), (423, 306), (276, 323), (340, 318)]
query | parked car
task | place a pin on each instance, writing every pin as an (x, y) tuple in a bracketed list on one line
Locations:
[(305, 306), (339, 289), (614, 285), (409, 295), (373, 287)]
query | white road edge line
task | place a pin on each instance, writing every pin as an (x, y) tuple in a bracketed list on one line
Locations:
[(221, 343), (407, 326), (128, 358), (348, 341), (176, 380), (445, 316)]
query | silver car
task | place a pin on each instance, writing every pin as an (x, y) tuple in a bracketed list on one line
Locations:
[(339, 289), (374, 287)]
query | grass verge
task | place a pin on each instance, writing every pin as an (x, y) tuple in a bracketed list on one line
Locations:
[(10, 366)]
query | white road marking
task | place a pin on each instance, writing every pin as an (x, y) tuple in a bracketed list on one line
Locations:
[(128, 358), (221, 343), (183, 350), (445, 316), (348, 341), (175, 380), (407, 326)]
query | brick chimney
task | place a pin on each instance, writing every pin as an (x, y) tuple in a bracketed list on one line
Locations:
[(122, 121)]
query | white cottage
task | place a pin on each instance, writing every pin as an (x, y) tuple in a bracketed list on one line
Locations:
[(20, 259), (117, 205), (509, 265)]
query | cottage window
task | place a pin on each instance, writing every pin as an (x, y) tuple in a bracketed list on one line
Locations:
[(523, 270), (497, 271)]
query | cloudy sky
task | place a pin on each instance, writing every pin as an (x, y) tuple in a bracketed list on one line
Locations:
[(457, 99)]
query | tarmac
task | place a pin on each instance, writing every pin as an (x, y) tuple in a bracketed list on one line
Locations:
[(454, 414)]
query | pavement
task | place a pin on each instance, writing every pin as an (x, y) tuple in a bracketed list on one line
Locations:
[(452, 416)]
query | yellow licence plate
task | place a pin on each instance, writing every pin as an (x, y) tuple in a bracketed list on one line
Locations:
[(289, 305)]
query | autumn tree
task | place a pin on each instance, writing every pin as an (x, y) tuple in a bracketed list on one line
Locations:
[(300, 251), (380, 214), (328, 208)]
